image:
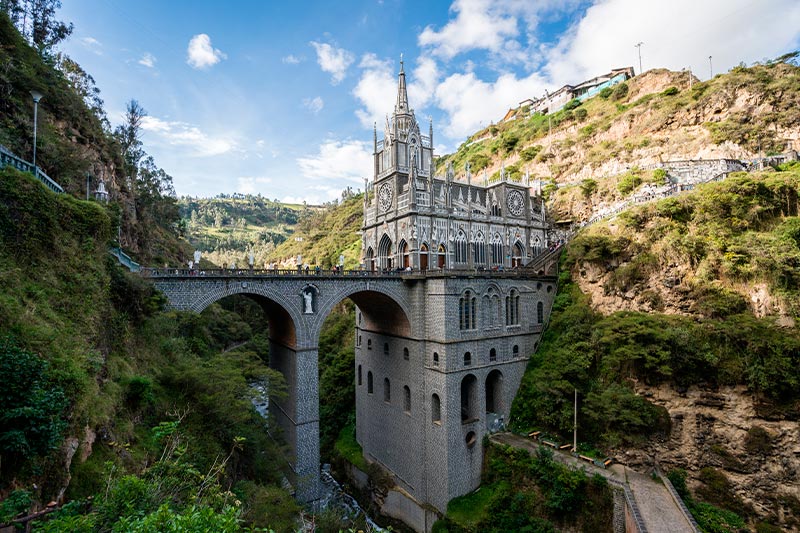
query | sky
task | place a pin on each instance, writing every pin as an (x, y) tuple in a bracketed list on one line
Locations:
[(279, 98)]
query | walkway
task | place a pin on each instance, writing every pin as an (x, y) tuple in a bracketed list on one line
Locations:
[(659, 511)]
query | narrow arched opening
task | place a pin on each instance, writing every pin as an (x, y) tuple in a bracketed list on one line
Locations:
[(469, 399), (494, 392)]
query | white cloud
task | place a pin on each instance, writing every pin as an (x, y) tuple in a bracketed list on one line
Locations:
[(291, 59), (251, 184), (676, 34), (183, 135), (471, 103), (333, 60), (376, 89), (314, 105), (148, 60), (422, 84), (479, 24), (345, 160), (93, 45), (201, 54)]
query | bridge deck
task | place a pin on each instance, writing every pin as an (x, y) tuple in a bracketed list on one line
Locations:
[(331, 274)]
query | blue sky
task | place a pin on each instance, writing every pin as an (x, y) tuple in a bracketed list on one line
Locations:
[(279, 98)]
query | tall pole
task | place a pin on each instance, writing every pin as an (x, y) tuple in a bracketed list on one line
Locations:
[(710, 69), (639, 46), (36, 95), (575, 425), (690, 77)]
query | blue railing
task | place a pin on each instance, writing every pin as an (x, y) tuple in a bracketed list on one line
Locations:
[(7, 159), (125, 260)]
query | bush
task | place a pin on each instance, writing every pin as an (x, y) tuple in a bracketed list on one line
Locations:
[(670, 91), (581, 113), (529, 153), (605, 93), (620, 91), (629, 182), (572, 104), (758, 441)]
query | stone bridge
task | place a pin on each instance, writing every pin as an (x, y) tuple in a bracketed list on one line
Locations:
[(436, 319)]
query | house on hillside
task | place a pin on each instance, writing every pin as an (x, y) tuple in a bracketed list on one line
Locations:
[(552, 102)]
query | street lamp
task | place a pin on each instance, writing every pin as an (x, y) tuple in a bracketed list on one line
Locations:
[(710, 69), (639, 46), (36, 95)]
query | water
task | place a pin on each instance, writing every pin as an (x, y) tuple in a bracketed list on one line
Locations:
[(333, 495)]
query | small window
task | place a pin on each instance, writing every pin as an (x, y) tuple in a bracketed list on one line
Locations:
[(359, 375), (515, 350), (385, 348), (406, 399), (540, 312), (436, 409), (369, 382), (387, 390), (369, 344), (470, 439), (405, 354), (435, 359), (467, 359), (359, 340), (492, 355)]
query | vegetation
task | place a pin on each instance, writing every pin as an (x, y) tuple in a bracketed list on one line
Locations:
[(530, 492)]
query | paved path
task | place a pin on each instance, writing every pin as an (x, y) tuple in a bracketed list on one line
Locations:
[(659, 511)]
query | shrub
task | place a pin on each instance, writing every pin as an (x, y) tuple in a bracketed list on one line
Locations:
[(572, 104), (620, 91), (758, 441), (628, 183), (605, 93), (670, 91), (581, 113), (529, 153)]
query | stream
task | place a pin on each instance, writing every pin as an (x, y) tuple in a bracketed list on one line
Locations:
[(333, 495)]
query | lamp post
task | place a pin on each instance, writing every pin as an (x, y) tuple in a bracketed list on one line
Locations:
[(639, 46), (36, 95), (710, 69)]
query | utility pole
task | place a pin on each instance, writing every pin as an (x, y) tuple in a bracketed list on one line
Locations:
[(575, 425), (710, 69), (639, 46), (690, 77)]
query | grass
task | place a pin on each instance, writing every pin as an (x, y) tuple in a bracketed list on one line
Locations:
[(471, 509), (348, 447)]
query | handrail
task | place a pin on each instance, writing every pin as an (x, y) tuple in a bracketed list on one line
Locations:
[(9, 159), (679, 501), (168, 272)]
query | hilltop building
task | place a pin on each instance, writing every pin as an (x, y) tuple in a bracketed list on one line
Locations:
[(552, 102), (415, 219)]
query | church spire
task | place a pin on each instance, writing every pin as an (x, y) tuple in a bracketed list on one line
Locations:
[(402, 95)]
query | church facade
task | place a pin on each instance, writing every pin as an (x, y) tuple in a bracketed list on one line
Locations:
[(413, 218), (431, 384)]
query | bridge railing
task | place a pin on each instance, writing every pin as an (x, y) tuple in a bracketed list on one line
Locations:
[(7, 159), (150, 272)]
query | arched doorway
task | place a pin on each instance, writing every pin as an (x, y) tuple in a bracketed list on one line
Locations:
[(369, 259), (442, 257), (423, 257), (385, 253), (494, 392), (469, 399), (402, 252), (516, 255)]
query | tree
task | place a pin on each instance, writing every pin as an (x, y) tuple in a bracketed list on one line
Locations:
[(31, 406), (35, 20), (128, 136)]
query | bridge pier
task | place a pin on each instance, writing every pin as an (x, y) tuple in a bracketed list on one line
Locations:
[(298, 415)]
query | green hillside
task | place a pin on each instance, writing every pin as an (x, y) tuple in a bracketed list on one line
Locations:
[(229, 227)]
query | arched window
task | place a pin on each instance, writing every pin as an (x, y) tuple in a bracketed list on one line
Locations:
[(479, 250), (461, 248), (436, 409), (359, 375), (515, 350), (467, 359), (492, 355), (405, 354), (469, 398), (385, 348), (406, 399), (369, 259), (435, 359), (497, 249), (512, 308), (387, 390), (369, 382), (467, 310), (369, 344), (540, 313)]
